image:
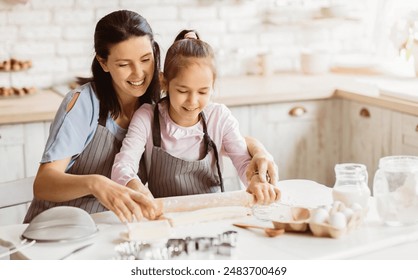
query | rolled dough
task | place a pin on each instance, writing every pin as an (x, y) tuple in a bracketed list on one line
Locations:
[(206, 215)]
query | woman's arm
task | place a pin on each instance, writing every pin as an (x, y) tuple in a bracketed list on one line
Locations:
[(262, 163), (53, 184)]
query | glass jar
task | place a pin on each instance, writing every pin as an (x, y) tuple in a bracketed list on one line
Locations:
[(351, 184), (395, 188)]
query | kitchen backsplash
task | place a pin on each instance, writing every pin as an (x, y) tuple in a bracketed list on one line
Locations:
[(249, 36)]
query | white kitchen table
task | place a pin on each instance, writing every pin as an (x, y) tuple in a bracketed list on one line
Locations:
[(372, 240)]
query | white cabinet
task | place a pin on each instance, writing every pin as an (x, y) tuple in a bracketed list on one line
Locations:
[(242, 114), (21, 147), (301, 137), (367, 135), (405, 134), (308, 138)]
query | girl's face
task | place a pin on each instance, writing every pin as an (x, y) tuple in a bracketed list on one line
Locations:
[(131, 65), (189, 93)]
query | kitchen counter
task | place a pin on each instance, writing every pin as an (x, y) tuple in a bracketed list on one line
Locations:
[(251, 90), (241, 91), (40, 106), (372, 240)]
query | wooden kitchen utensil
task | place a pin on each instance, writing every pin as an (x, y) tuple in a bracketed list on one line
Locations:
[(270, 232), (201, 201)]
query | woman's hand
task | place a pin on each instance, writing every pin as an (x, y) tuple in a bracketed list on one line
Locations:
[(53, 184), (264, 192), (128, 204), (151, 213)]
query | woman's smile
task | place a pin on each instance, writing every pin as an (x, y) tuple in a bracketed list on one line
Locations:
[(137, 83)]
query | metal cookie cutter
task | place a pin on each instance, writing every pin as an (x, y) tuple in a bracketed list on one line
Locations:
[(229, 237), (204, 244), (225, 249), (227, 243), (133, 250), (176, 247)]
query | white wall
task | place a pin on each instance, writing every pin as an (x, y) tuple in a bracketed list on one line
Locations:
[(58, 35)]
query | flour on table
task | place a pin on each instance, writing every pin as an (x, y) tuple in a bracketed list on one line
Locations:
[(206, 215)]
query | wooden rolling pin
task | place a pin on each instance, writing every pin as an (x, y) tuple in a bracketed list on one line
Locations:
[(201, 201)]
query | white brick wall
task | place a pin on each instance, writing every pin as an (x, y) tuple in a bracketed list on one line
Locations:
[(58, 35)]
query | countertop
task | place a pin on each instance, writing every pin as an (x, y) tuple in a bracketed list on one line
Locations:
[(372, 240), (40, 106), (370, 89), (249, 90)]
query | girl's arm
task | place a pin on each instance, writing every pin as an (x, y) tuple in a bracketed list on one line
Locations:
[(126, 165), (262, 163)]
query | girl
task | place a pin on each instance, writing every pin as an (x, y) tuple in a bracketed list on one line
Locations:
[(183, 135)]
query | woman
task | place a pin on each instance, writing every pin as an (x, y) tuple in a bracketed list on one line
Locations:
[(92, 121)]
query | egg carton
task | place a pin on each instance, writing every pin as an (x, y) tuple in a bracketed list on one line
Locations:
[(326, 221)]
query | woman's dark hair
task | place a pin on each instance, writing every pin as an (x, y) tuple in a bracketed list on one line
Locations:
[(182, 52), (114, 28)]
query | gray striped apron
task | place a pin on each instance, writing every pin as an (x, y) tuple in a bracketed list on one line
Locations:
[(97, 158), (171, 176)]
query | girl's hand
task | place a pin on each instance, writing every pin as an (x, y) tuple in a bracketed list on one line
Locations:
[(264, 192), (126, 203), (263, 166)]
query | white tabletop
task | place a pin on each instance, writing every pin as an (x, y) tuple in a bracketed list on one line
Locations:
[(372, 240)]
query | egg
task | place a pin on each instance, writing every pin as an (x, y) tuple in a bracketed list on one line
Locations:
[(319, 216), (338, 220), (327, 207), (337, 206), (348, 213), (356, 207)]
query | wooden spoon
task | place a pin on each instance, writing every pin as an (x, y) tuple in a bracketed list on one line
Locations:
[(270, 232)]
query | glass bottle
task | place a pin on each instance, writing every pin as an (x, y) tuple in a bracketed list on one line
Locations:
[(395, 188), (351, 184)]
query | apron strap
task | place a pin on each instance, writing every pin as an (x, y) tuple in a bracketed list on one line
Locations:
[(156, 130), (210, 145)]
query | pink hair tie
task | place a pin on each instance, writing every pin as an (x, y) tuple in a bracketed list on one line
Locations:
[(190, 35)]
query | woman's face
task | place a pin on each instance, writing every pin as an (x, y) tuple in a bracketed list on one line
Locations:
[(131, 65), (189, 93)]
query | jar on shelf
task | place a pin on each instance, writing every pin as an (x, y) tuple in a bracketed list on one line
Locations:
[(351, 184), (395, 188)]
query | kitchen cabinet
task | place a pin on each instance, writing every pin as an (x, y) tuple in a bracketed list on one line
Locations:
[(367, 134), (21, 147), (308, 138), (301, 137), (405, 134)]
